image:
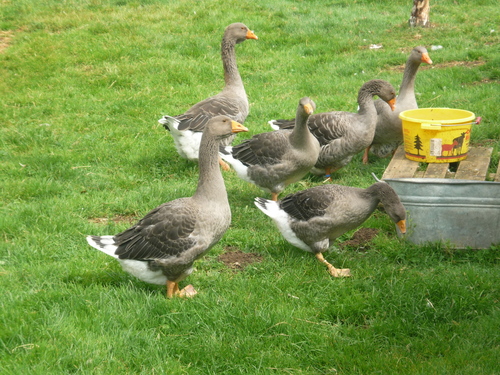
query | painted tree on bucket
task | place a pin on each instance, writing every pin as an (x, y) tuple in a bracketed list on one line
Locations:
[(418, 144)]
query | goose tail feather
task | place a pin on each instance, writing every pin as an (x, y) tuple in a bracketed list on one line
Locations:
[(169, 122), (106, 244)]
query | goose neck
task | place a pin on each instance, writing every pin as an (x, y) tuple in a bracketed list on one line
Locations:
[(408, 82), (373, 195), (365, 102), (232, 76), (210, 182), (300, 135)]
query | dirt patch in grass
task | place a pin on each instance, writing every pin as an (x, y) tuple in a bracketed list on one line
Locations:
[(448, 64), (483, 81), (5, 38), (237, 260), (116, 219), (360, 239)]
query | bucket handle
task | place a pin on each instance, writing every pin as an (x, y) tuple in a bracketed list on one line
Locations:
[(376, 178), (427, 126)]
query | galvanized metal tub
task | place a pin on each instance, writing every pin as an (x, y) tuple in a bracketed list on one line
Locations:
[(459, 213)]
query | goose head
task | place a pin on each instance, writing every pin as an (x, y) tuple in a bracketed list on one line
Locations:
[(385, 91), (306, 107), (420, 55), (239, 32), (221, 127), (392, 204)]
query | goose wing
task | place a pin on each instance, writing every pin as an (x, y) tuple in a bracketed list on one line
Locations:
[(328, 126), (263, 149), (308, 203), (164, 232), (196, 118)]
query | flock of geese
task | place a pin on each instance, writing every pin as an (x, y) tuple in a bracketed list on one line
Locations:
[(162, 247)]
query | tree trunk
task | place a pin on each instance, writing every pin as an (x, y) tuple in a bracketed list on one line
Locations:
[(420, 13)]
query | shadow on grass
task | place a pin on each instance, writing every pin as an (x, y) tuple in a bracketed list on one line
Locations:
[(111, 280)]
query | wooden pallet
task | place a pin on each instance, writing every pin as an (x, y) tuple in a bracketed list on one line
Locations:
[(474, 167)]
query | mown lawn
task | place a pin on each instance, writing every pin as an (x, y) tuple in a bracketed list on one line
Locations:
[(83, 83)]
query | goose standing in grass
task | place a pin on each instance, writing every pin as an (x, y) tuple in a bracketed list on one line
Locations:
[(343, 134), (388, 132), (162, 247), (274, 160), (313, 218), (187, 128)]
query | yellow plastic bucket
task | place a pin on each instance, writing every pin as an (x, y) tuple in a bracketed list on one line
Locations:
[(436, 135)]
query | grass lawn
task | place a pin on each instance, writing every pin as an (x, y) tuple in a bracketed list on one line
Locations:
[(82, 85)]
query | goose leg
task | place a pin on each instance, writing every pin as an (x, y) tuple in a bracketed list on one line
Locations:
[(335, 272), (328, 174), (224, 165), (365, 155), (172, 288)]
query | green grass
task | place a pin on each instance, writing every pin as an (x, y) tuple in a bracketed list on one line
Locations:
[(82, 86)]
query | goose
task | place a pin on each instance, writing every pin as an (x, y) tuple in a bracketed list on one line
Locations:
[(312, 219), (388, 132), (186, 129), (162, 247), (344, 134), (273, 160)]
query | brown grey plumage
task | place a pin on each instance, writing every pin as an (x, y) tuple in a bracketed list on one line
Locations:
[(344, 134), (274, 160), (388, 131), (312, 219), (186, 128), (162, 247)]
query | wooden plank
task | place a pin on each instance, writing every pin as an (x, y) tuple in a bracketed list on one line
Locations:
[(419, 174), (400, 166), (475, 167), (436, 170)]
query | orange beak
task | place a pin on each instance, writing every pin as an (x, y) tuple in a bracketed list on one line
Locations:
[(426, 58), (309, 109), (236, 127), (392, 103), (402, 226), (251, 35)]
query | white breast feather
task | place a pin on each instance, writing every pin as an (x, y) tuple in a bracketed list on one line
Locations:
[(141, 270)]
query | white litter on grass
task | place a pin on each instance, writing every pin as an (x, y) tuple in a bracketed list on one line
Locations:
[(435, 48), (430, 304), (375, 46)]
